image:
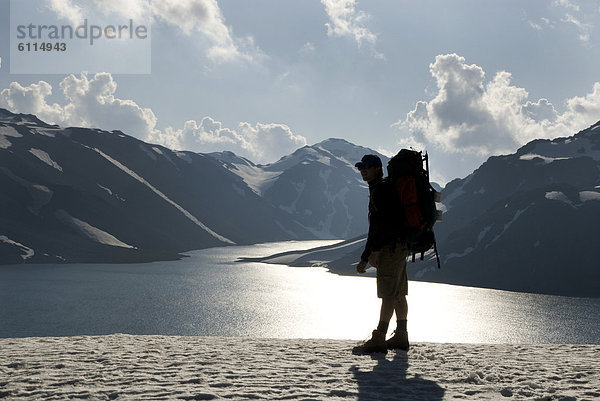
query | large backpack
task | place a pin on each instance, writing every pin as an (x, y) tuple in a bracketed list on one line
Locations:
[(415, 198)]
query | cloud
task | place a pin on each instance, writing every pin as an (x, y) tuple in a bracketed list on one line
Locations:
[(90, 103), (583, 29), (469, 116), (205, 17), (566, 4), (65, 9), (345, 20), (261, 143), (190, 16)]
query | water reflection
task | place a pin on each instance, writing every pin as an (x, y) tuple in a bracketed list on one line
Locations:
[(209, 294)]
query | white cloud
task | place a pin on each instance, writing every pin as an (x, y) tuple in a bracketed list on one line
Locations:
[(261, 143), (67, 10), (191, 16), (566, 4), (467, 116), (582, 28), (345, 20), (90, 103), (205, 17)]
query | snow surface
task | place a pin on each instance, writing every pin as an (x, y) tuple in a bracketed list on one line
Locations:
[(45, 157), (147, 152), (94, 233), (589, 196), (558, 196), (584, 196), (573, 147), (27, 252), (545, 159), (7, 131), (205, 368)]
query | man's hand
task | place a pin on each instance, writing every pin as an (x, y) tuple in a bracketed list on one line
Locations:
[(361, 267), (374, 258)]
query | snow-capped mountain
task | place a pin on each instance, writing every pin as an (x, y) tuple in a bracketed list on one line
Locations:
[(87, 195), (318, 186), (528, 221)]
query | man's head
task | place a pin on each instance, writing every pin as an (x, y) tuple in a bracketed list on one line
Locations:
[(370, 167)]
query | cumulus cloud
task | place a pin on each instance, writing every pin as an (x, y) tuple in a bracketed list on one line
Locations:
[(91, 102), (205, 17), (191, 16), (67, 10), (261, 143), (346, 20), (470, 116)]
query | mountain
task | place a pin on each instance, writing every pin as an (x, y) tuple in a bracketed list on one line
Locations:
[(87, 195), (318, 186), (528, 221)]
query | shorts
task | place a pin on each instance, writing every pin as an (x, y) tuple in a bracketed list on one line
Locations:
[(391, 272)]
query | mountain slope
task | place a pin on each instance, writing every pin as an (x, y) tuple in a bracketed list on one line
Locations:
[(318, 186), (74, 194), (528, 221)]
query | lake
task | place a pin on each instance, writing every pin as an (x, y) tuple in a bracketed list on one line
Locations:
[(210, 294)]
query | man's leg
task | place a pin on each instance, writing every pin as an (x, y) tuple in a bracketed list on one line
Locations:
[(400, 338), (388, 305), (401, 308)]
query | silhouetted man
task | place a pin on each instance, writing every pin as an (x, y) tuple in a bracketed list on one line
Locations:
[(387, 254)]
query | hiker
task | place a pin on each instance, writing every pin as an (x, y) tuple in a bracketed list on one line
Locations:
[(387, 253)]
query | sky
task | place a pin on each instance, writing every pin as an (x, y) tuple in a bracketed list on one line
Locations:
[(463, 80)]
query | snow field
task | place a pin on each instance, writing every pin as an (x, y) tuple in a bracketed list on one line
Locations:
[(125, 367)]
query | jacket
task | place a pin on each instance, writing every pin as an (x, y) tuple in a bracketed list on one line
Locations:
[(383, 218)]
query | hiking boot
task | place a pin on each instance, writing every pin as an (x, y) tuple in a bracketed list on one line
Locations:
[(399, 340), (376, 344)]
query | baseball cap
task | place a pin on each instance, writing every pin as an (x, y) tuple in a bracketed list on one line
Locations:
[(368, 161)]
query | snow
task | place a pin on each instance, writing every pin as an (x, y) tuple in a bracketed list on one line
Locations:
[(545, 159), (589, 196), (110, 192), (7, 131), (204, 368), (507, 225), (27, 252), (157, 150), (184, 156), (45, 157), (139, 178), (147, 152), (558, 196), (564, 148), (258, 179), (90, 231), (449, 197)]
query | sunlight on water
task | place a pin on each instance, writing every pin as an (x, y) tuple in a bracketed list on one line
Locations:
[(211, 294)]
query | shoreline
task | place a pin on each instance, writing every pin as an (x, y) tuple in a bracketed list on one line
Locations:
[(121, 366)]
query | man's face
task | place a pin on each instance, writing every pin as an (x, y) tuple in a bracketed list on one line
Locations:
[(369, 174)]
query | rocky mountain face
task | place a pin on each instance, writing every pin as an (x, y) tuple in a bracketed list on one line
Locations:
[(318, 186), (87, 195), (528, 221)]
